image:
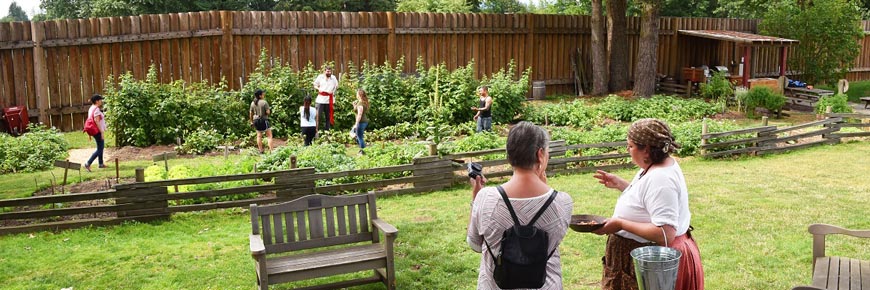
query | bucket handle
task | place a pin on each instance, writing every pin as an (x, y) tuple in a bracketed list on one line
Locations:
[(664, 234)]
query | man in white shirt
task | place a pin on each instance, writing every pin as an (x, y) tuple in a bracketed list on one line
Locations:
[(326, 84)]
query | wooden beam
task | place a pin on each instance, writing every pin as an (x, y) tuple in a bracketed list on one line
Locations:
[(40, 68), (16, 44), (132, 38)]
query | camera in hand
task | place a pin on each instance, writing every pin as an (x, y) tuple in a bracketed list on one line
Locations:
[(474, 170)]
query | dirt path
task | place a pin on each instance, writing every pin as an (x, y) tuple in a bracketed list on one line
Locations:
[(129, 153)]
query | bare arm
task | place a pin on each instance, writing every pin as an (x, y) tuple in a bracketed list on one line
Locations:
[(611, 180), (647, 231), (487, 104), (359, 112)]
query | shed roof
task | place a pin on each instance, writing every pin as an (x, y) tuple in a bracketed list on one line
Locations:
[(740, 37)]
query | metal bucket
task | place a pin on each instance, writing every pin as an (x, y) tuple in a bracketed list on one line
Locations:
[(656, 267), (539, 90)]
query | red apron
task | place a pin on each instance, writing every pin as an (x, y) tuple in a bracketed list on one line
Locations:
[(331, 109)]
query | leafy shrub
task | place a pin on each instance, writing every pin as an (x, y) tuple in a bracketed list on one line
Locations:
[(839, 104), (508, 94), (477, 142), (688, 135), (155, 173), (577, 113), (609, 133), (661, 107), (762, 97), (143, 113), (35, 150), (718, 88), (199, 142)]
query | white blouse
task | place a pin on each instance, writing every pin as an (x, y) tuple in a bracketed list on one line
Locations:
[(311, 121), (660, 197)]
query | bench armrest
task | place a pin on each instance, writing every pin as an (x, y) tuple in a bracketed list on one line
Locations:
[(257, 247), (388, 229), (819, 232)]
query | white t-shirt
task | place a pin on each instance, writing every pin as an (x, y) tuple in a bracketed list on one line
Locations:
[(312, 113), (325, 85), (660, 197), (95, 112)]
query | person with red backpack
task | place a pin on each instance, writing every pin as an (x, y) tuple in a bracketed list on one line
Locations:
[(519, 225), (95, 126)]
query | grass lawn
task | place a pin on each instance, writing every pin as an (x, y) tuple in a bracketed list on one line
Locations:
[(79, 140), (857, 90), (750, 217)]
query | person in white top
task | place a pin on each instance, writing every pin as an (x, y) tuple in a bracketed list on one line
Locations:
[(100, 119), (527, 190), (326, 84), (308, 120), (652, 209)]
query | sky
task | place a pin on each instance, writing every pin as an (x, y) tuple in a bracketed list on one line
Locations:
[(29, 6)]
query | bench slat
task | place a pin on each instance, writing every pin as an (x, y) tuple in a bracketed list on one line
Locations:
[(330, 222), (351, 216), (833, 273), (267, 230), (279, 228), (865, 274), (342, 224), (300, 223), (291, 228), (325, 258), (855, 274), (319, 243), (843, 274), (363, 217), (315, 221), (820, 274)]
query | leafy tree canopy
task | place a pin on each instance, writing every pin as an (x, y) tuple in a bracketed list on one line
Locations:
[(828, 31), (15, 14), (445, 6)]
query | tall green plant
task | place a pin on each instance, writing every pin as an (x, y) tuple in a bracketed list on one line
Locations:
[(828, 31), (718, 88), (762, 97)]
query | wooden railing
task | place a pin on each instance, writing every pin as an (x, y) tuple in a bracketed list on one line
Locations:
[(770, 139), (145, 201)]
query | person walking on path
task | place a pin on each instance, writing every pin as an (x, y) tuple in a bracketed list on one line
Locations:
[(361, 106), (326, 84), (308, 120), (652, 209), (484, 110), (259, 116), (95, 114)]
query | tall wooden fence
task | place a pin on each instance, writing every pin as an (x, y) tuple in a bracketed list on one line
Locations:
[(144, 201), (770, 139), (53, 67)]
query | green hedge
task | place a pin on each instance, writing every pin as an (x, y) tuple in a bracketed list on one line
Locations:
[(34, 151)]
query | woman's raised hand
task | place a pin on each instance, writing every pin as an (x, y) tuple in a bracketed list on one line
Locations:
[(610, 180)]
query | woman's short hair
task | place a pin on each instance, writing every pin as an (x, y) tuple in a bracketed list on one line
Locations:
[(523, 142), (96, 98)]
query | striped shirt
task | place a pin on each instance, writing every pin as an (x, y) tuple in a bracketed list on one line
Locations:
[(490, 217)]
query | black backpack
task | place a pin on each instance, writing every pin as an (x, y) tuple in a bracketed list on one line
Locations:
[(522, 260)]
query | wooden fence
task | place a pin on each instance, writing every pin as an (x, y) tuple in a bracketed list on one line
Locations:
[(53, 67), (145, 201), (770, 139)]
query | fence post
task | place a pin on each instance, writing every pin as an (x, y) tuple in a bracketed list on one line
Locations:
[(530, 47), (433, 149), (143, 203), (140, 175), (298, 182), (439, 170), (764, 121), (41, 70), (391, 38), (292, 161), (703, 140), (227, 49)]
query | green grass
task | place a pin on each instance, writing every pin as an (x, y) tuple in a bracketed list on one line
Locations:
[(16, 185), (750, 217), (79, 140), (857, 90)]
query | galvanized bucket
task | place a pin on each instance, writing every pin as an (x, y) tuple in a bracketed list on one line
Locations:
[(656, 267)]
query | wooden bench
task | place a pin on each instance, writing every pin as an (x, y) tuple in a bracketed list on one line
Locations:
[(349, 225), (866, 101), (836, 272)]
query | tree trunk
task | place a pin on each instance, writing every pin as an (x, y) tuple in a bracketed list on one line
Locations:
[(646, 68), (599, 50), (617, 45)]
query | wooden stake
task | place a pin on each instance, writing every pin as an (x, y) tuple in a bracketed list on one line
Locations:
[(764, 121), (140, 174), (703, 132), (292, 162), (117, 172)]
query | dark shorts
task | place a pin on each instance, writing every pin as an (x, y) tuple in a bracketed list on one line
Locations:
[(261, 125)]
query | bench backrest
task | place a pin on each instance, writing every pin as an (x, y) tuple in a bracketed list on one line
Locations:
[(315, 221)]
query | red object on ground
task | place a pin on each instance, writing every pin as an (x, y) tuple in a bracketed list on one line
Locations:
[(16, 120)]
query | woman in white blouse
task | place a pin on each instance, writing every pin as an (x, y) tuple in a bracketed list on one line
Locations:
[(653, 209), (528, 192)]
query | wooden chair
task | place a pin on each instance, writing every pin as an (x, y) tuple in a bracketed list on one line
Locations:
[(836, 272), (348, 225)]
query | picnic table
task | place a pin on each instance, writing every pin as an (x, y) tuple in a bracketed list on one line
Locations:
[(805, 96)]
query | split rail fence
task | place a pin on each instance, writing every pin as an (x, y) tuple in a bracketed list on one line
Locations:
[(770, 139), (146, 201), (53, 67)]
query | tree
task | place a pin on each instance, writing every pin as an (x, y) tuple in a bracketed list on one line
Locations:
[(599, 50), (646, 68), (15, 14), (617, 45), (443, 6), (828, 31), (502, 6)]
